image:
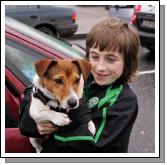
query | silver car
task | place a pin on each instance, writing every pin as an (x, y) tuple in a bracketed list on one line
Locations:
[(53, 20)]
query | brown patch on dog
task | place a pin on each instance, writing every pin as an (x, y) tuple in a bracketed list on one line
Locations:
[(59, 77)]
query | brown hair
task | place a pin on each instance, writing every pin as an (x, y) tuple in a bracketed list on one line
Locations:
[(113, 34)]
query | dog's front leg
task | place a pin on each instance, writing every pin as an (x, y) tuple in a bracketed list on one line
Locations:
[(59, 119), (40, 112)]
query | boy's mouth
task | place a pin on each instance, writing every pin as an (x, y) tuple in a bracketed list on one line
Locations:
[(101, 74)]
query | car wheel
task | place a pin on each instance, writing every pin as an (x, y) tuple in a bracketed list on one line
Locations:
[(47, 30), (69, 34)]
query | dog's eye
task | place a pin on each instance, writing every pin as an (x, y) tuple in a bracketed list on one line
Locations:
[(77, 80), (59, 81)]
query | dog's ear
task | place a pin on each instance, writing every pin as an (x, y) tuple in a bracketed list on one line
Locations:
[(42, 66), (84, 67)]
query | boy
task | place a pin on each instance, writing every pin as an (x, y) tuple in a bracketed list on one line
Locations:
[(112, 47)]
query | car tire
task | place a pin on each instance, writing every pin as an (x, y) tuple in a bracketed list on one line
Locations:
[(48, 31), (69, 34)]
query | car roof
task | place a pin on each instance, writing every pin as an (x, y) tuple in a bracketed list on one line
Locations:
[(42, 37)]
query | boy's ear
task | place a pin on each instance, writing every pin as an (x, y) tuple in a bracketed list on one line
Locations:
[(42, 66), (84, 67)]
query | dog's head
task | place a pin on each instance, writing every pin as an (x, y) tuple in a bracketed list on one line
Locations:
[(64, 79)]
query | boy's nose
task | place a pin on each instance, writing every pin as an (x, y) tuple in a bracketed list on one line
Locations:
[(101, 66)]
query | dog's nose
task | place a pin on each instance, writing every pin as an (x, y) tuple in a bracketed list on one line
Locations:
[(72, 103)]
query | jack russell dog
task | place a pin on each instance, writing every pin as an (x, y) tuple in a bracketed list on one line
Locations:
[(57, 84)]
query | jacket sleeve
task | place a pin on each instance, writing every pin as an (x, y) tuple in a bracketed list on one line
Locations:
[(27, 125), (113, 131), (120, 119)]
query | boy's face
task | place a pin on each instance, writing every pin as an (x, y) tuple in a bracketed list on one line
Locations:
[(107, 67)]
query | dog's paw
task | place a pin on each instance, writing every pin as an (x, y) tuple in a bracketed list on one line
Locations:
[(61, 119), (92, 127)]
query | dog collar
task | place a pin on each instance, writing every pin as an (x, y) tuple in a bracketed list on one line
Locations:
[(37, 93)]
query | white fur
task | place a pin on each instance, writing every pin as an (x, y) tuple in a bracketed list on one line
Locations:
[(43, 89), (53, 103), (40, 112), (36, 145)]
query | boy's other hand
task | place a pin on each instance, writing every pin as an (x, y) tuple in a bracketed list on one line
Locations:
[(46, 128)]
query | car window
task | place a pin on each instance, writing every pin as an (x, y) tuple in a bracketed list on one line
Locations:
[(122, 11), (22, 58), (50, 41)]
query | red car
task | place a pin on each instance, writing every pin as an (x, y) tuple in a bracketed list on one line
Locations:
[(23, 46), (143, 19)]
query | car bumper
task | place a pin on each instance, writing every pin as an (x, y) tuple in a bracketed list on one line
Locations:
[(67, 29), (147, 39)]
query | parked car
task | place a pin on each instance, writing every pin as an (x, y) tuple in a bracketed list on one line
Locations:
[(23, 46), (122, 11), (144, 20), (53, 20)]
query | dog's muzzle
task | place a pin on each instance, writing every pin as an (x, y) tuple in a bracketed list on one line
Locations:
[(72, 103)]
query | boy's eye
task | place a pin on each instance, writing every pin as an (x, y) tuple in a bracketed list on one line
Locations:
[(59, 81), (110, 60), (94, 57)]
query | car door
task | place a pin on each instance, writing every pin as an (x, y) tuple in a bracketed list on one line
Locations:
[(122, 11), (28, 14)]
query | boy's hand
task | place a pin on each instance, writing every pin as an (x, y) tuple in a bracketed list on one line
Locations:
[(46, 128)]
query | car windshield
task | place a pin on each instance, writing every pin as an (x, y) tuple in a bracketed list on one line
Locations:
[(22, 58)]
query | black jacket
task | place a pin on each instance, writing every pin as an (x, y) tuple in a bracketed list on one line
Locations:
[(113, 120)]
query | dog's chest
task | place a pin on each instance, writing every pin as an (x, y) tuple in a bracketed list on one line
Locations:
[(53, 104)]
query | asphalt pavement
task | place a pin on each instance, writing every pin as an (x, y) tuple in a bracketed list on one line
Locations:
[(142, 139), (87, 16)]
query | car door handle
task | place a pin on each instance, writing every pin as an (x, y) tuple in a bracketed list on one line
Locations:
[(33, 16)]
